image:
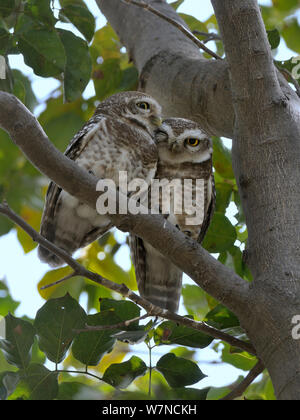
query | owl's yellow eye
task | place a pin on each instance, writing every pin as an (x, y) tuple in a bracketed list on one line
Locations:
[(145, 106), (192, 142)]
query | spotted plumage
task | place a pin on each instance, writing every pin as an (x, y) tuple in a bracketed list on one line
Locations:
[(184, 153), (119, 137)]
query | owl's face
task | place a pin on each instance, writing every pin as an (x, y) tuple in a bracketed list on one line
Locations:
[(136, 107), (180, 141)]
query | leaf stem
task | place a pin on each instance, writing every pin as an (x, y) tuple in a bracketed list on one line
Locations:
[(79, 372)]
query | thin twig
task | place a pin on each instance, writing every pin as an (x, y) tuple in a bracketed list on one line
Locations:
[(122, 289), (239, 390), (123, 324), (79, 372), (173, 22), (55, 283), (210, 36)]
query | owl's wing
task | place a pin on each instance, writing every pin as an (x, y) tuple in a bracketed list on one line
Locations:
[(77, 143), (158, 280), (53, 204), (210, 211)]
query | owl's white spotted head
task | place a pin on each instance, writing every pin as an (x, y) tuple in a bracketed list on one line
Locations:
[(144, 111), (136, 107), (180, 140)]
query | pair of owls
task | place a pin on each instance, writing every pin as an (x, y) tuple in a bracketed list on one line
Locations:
[(126, 133)]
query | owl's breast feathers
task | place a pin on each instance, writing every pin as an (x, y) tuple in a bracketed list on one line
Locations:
[(191, 171)]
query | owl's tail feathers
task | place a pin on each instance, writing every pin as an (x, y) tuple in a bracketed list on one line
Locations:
[(63, 238), (163, 288), (162, 300), (48, 257)]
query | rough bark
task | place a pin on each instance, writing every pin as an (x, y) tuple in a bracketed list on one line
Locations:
[(242, 97)]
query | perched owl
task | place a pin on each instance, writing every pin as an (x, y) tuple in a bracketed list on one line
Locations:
[(119, 137), (184, 153)]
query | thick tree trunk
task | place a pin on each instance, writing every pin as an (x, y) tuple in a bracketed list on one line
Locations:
[(246, 99)]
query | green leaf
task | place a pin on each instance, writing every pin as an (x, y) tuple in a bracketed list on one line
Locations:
[(37, 356), (129, 79), (193, 23), (8, 383), (132, 337), (38, 383), (7, 304), (107, 77), (221, 235), (43, 51), (41, 11), (291, 34), (179, 372), (120, 310), (235, 261), (80, 17), (121, 375), (224, 192), (237, 201), (78, 66), (77, 391), (170, 333), (73, 286), (274, 38), (241, 360), (55, 323), (222, 159), (61, 121), (19, 337), (176, 4), (195, 300), (19, 90), (216, 394), (285, 5), (7, 7), (33, 218), (5, 224), (99, 342), (5, 39), (106, 45), (221, 317), (263, 389), (108, 267)]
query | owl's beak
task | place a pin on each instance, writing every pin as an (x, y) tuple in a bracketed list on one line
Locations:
[(173, 145), (156, 121), (160, 135)]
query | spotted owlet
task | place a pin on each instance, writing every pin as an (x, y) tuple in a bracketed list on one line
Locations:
[(119, 137), (184, 155)]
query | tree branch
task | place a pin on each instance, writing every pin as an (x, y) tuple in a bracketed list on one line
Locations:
[(210, 36), (151, 309), (173, 22), (215, 278), (239, 390), (254, 78)]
